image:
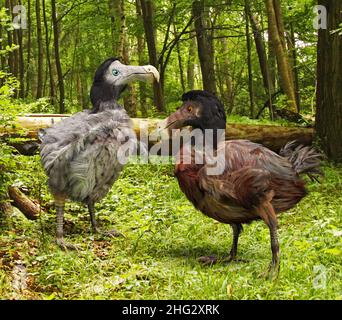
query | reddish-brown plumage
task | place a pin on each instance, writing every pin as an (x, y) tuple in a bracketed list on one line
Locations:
[(187, 176), (251, 172)]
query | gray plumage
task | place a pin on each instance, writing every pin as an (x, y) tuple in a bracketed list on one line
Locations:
[(80, 154)]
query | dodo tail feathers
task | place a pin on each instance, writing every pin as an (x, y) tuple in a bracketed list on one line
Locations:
[(304, 159)]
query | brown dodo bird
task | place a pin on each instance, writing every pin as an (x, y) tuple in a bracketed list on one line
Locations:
[(254, 182)]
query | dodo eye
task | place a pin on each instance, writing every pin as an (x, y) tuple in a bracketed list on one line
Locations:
[(115, 72), (189, 108)]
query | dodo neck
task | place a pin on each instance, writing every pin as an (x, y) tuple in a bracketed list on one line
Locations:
[(212, 136), (104, 96)]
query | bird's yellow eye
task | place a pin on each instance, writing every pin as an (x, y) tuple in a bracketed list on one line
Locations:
[(189, 108)]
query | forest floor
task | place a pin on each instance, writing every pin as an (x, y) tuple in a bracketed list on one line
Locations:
[(164, 236)]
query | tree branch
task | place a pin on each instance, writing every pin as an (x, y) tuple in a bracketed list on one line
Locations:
[(171, 45), (73, 6)]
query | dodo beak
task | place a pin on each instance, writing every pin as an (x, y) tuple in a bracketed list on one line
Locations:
[(176, 120), (146, 73), (151, 70)]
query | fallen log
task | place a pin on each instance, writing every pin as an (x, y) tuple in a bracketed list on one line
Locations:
[(272, 136), (26, 148), (29, 208), (5, 208)]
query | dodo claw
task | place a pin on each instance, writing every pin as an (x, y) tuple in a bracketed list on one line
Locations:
[(208, 260), (67, 246), (271, 273), (112, 234)]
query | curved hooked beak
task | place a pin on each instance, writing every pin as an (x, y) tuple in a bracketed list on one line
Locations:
[(176, 120), (146, 73), (151, 70)]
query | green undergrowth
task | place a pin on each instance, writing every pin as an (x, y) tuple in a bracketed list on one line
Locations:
[(163, 237)]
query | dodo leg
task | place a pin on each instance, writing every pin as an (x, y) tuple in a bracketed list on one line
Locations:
[(59, 203), (267, 213), (237, 228), (91, 209)]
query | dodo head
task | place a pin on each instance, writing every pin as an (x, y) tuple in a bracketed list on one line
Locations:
[(112, 77), (200, 109)]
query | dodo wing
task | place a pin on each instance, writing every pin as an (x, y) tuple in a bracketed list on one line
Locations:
[(58, 141), (89, 159), (247, 175), (97, 165), (66, 139), (247, 186)]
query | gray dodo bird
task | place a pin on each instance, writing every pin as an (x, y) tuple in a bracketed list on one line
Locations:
[(81, 154)]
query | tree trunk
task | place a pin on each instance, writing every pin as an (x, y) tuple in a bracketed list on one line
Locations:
[(39, 92), (204, 46), (2, 57), (271, 58), (277, 37), (10, 42), (260, 48), (229, 94), (249, 61), (82, 80), (180, 62), (79, 89), (329, 77), (142, 60), (191, 62), (57, 58), (48, 57), (122, 32), (15, 54), (28, 62), (129, 96), (293, 50), (114, 6), (147, 13), (15, 42), (84, 90), (219, 80), (269, 84), (21, 63)]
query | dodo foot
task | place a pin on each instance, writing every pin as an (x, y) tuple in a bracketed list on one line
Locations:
[(110, 233), (272, 272), (67, 246), (208, 260)]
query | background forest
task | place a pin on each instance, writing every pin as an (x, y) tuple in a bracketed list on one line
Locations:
[(54, 58), (267, 63)]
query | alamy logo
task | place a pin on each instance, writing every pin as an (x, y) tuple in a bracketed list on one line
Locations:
[(320, 278), (20, 20), (320, 21), (187, 146)]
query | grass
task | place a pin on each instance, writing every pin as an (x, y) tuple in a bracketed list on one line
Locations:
[(164, 237)]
